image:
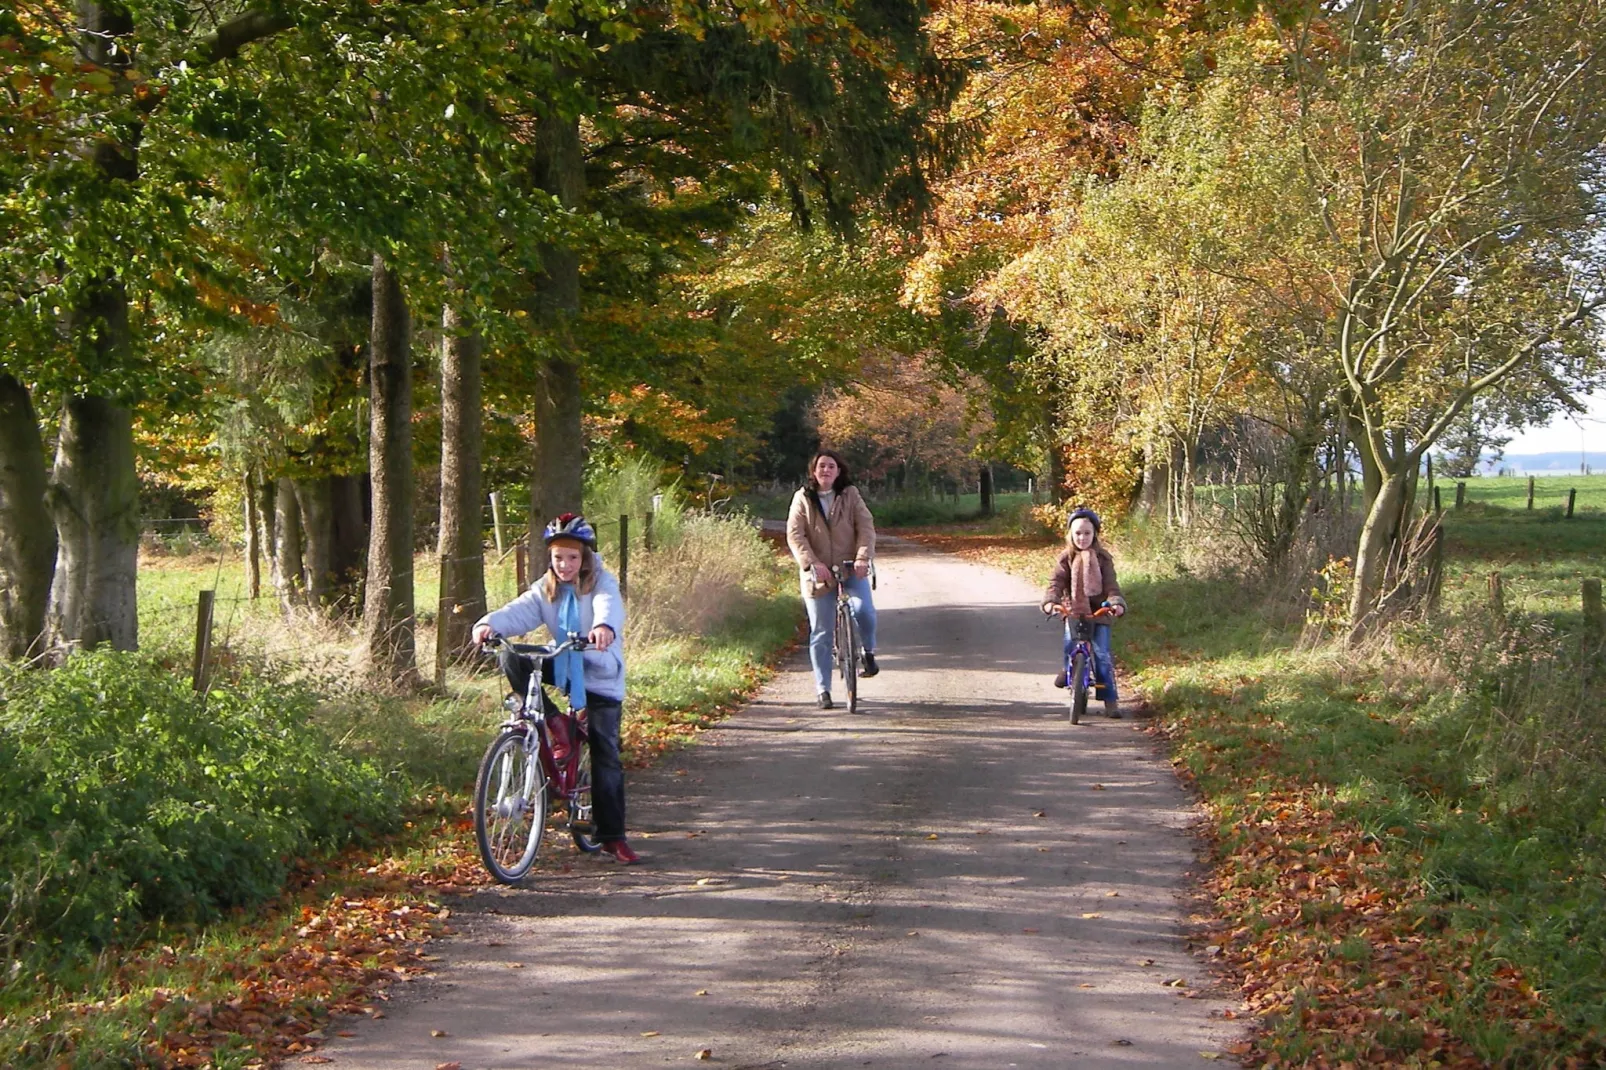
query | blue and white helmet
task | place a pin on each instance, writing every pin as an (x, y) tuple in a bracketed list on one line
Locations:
[(570, 526)]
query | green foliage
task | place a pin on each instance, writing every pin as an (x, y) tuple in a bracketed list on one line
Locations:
[(125, 797)]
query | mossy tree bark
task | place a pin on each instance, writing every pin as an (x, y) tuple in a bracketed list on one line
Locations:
[(27, 533), (461, 546), (388, 623)]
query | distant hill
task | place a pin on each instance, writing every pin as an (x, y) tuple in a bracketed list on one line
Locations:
[(1539, 464)]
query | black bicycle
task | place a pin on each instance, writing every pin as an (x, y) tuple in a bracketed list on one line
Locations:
[(537, 759), (848, 648)]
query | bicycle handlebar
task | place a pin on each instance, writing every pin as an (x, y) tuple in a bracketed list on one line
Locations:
[(541, 650), (1098, 614)]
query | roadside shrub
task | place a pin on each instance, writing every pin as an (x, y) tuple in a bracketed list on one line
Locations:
[(125, 797), (715, 568)]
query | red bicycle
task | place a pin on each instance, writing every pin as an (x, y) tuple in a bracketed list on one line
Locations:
[(537, 759)]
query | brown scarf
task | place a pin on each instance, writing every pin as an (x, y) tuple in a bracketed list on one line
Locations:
[(1087, 580)]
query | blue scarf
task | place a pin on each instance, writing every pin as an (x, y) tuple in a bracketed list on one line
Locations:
[(569, 668)]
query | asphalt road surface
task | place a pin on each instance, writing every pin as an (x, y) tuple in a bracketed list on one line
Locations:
[(953, 877)]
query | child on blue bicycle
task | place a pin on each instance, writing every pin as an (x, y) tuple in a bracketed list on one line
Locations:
[(1084, 582)]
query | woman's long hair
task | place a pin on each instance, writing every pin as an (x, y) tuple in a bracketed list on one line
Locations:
[(585, 583), (843, 482)]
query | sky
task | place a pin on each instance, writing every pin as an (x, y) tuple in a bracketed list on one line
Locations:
[(1587, 431)]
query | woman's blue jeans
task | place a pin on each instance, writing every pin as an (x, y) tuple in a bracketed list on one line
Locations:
[(1103, 664), (822, 624)]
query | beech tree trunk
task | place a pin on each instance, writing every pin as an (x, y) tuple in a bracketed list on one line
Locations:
[(559, 453), (461, 547), (288, 568), (94, 497), (1156, 479), (94, 493), (348, 549), (317, 540), (253, 537), (27, 533), (1378, 534), (388, 620), (986, 487)]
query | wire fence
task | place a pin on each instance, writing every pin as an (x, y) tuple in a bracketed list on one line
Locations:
[(212, 616)]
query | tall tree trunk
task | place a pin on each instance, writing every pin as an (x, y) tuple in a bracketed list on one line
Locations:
[(94, 493), (1156, 477), (94, 496), (462, 600), (348, 539), (1056, 472), (1372, 554), (289, 572), (267, 517), (559, 453), (986, 485), (253, 536), (27, 534), (388, 620), (1371, 468), (317, 538)]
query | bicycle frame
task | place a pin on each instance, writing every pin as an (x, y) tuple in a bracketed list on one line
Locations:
[(845, 649), (561, 774), (1079, 679), (520, 775)]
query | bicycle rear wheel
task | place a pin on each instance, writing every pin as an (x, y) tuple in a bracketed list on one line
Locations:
[(510, 801), (847, 654), (1077, 681), (582, 819)]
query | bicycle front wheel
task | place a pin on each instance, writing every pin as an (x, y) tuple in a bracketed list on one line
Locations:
[(510, 801), (847, 654), (582, 819), (1077, 681)]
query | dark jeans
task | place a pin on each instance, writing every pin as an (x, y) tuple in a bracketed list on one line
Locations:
[(602, 716)]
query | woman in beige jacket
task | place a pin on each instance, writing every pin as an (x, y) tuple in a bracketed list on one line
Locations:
[(829, 525)]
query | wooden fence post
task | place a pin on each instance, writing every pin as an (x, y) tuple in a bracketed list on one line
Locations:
[(1460, 494), (1572, 497), (624, 555), (1594, 621), (1438, 502), (496, 519), (647, 534), (521, 564), (1435, 555), (1530, 492), (203, 640), (1497, 595)]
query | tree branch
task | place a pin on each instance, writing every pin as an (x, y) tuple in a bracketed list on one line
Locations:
[(238, 32)]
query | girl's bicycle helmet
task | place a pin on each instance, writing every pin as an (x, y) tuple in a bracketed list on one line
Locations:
[(1083, 513), (571, 526)]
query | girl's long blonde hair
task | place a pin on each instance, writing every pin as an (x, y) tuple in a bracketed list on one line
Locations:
[(585, 583)]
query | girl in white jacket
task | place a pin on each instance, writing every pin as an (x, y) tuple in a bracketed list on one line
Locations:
[(576, 595)]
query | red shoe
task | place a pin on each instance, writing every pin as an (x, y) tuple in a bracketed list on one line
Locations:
[(621, 850)]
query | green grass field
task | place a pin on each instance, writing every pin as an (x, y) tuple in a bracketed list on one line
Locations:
[(1511, 492)]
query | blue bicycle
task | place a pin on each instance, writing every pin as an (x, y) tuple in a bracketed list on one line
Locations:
[(1079, 656)]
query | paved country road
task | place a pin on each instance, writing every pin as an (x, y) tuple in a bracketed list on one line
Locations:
[(954, 877)]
